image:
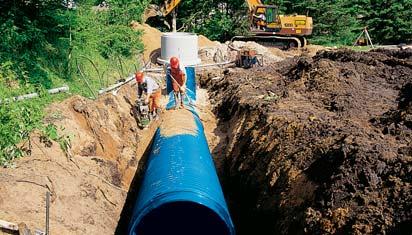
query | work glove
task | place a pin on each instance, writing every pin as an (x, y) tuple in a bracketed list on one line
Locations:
[(183, 88)]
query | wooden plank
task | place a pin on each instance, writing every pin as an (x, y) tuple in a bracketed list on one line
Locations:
[(9, 225)]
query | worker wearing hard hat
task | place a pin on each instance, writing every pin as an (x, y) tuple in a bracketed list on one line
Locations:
[(177, 74), (149, 86), (260, 21)]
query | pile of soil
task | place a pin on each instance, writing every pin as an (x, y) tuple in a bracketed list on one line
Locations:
[(221, 52), (318, 145), (206, 42), (150, 39), (88, 177)]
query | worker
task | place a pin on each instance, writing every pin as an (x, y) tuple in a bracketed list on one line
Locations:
[(177, 73), (260, 21), (151, 88)]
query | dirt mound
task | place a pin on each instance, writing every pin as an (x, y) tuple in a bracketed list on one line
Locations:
[(88, 181), (221, 52), (319, 145), (150, 39), (205, 42)]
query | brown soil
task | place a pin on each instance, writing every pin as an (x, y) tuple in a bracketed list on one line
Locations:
[(150, 39), (177, 122), (309, 50), (89, 182), (318, 145), (205, 42), (214, 134)]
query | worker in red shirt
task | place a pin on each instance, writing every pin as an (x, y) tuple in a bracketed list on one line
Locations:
[(153, 92), (177, 73)]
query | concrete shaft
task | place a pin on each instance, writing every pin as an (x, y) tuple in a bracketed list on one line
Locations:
[(181, 45)]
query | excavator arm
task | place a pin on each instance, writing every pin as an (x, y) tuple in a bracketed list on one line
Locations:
[(252, 4), (169, 6), (154, 10)]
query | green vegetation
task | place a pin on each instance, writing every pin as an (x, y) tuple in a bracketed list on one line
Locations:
[(335, 22), (340, 22), (17, 121), (44, 44)]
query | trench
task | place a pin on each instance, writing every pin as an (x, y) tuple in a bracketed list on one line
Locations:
[(206, 220), (305, 143), (222, 128), (240, 197), (319, 162)]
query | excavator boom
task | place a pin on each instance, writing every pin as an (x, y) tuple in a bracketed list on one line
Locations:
[(169, 6), (252, 4), (154, 10)]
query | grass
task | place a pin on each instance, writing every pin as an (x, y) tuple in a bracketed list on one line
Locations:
[(361, 48), (93, 55)]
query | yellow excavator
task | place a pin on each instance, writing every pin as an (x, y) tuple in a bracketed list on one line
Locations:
[(268, 27)]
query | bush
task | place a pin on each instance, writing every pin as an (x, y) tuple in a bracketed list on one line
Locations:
[(17, 121)]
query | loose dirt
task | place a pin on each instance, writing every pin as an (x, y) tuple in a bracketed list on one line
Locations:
[(318, 145), (221, 52), (178, 122), (205, 42), (88, 182), (151, 39)]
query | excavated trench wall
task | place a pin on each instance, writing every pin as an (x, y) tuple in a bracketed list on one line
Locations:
[(318, 145)]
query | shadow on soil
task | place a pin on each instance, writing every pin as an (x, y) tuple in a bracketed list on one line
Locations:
[(127, 212)]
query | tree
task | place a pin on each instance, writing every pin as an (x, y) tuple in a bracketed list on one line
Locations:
[(390, 21), (335, 21)]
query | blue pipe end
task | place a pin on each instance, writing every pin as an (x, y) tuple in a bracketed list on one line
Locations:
[(193, 217)]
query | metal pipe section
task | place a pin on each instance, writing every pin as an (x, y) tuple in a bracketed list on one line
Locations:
[(180, 192)]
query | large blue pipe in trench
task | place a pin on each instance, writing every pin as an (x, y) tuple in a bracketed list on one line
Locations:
[(180, 193)]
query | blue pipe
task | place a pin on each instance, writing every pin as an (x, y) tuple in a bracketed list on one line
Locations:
[(180, 192)]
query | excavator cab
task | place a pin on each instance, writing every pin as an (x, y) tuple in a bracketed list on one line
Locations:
[(267, 16)]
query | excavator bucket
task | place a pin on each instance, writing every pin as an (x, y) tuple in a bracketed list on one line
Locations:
[(151, 11)]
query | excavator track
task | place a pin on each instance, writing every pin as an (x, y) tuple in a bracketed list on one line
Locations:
[(284, 42)]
